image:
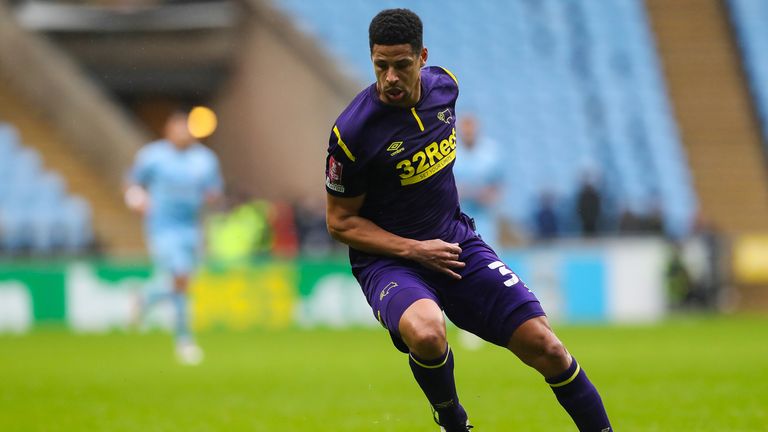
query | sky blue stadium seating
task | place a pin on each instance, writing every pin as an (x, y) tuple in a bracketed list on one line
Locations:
[(37, 214), (566, 86), (749, 18)]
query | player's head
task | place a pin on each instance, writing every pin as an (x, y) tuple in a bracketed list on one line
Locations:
[(177, 129), (398, 54), (396, 27), (467, 130)]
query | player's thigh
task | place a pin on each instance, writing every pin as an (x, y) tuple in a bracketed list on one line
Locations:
[(391, 291), (490, 300)]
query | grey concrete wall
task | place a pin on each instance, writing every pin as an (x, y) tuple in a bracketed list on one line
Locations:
[(277, 109), (97, 128)]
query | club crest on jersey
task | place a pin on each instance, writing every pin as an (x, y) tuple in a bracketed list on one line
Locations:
[(333, 178), (386, 290), (395, 148), (445, 116)]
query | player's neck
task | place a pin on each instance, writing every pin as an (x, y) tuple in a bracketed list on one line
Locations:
[(417, 95), (181, 148)]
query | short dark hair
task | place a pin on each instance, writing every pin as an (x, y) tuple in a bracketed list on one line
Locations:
[(395, 27)]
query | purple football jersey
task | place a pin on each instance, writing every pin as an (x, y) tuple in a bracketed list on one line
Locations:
[(402, 160)]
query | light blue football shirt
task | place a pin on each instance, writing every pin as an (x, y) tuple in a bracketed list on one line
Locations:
[(178, 182), (475, 169)]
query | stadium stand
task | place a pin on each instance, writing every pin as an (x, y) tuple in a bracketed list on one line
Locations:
[(749, 17), (73, 127), (37, 213), (566, 87), (714, 112)]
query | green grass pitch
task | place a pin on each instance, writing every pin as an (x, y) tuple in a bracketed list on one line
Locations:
[(691, 374)]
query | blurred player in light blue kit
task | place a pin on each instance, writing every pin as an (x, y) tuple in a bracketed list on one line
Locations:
[(479, 175), (170, 183)]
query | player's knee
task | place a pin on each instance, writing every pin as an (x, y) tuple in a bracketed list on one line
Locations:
[(426, 338), (429, 343), (551, 356), (422, 328), (553, 351), (538, 347)]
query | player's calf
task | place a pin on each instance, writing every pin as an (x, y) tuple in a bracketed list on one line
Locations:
[(422, 328), (580, 398), (536, 345)]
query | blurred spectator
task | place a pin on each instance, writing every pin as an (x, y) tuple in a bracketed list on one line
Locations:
[(702, 253), (649, 223), (629, 222), (314, 239), (285, 242), (479, 175), (239, 233), (249, 228), (700, 258), (588, 205), (547, 224), (653, 221), (679, 286)]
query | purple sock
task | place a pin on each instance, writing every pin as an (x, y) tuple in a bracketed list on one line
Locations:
[(580, 399), (435, 377)]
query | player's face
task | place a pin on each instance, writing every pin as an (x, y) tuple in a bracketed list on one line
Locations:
[(398, 77), (468, 131), (177, 132)]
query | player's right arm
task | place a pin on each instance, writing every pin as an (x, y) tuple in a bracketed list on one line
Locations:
[(347, 226), (135, 192)]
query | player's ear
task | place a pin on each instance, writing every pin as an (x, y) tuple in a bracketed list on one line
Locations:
[(423, 57)]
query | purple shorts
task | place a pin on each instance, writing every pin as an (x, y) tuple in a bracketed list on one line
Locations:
[(490, 300)]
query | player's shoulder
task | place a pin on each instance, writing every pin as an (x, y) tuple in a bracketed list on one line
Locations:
[(155, 145), (204, 156), (358, 112), (153, 149), (203, 150), (351, 123), (438, 76)]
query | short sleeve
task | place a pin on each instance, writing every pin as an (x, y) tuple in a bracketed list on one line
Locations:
[(141, 171), (214, 182), (344, 174)]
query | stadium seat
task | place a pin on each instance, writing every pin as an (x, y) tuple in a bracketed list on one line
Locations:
[(37, 215), (15, 230), (76, 223)]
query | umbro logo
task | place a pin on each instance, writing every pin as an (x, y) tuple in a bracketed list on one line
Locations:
[(395, 148)]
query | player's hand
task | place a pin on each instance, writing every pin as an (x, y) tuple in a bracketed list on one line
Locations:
[(440, 256), (137, 199)]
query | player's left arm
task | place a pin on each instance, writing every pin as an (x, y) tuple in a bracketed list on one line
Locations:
[(214, 185)]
